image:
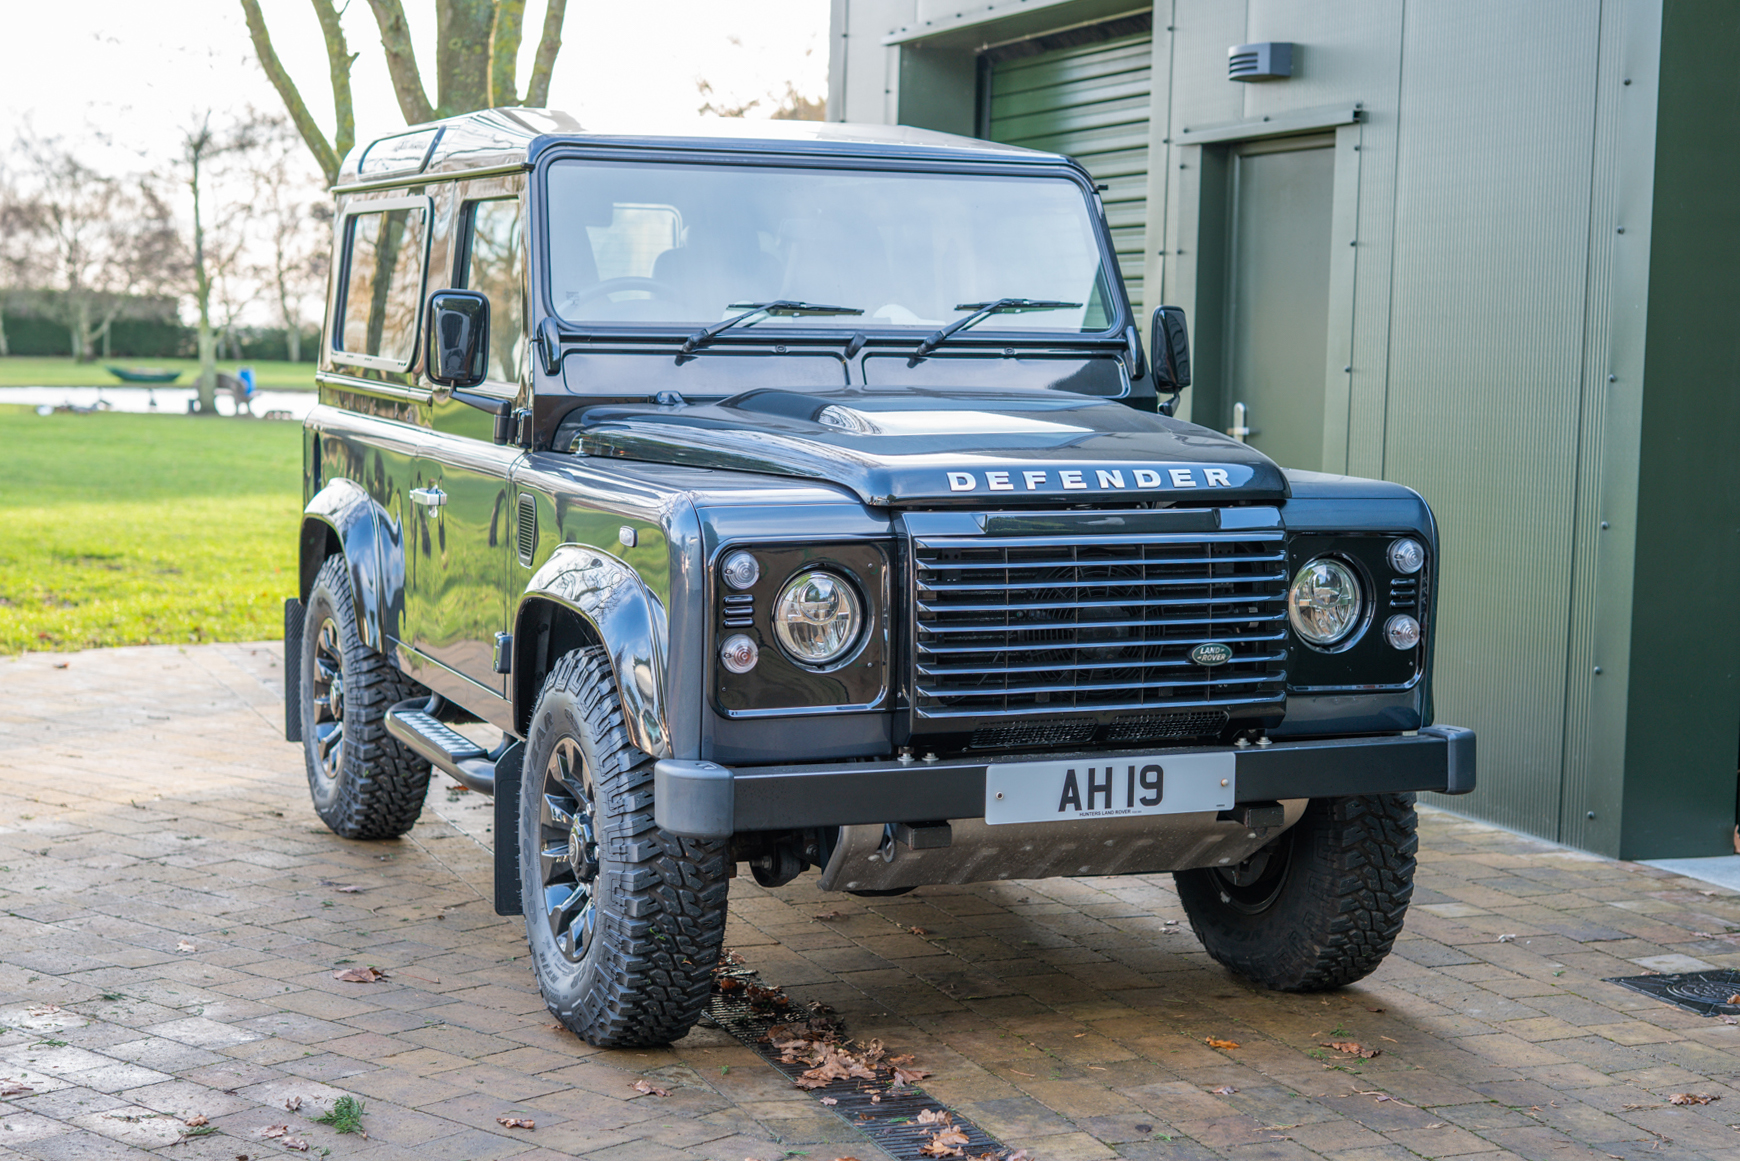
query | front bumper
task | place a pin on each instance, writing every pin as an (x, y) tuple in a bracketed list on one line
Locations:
[(706, 800)]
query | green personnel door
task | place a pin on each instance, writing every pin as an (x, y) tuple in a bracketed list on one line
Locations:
[(1089, 101)]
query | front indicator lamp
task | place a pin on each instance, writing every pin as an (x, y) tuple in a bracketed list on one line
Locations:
[(1325, 602), (1402, 631), (817, 617), (738, 653), (741, 570), (1406, 556)]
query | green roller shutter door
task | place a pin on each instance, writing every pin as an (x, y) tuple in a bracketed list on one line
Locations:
[(1090, 102)]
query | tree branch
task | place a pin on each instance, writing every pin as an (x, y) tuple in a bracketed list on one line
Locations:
[(402, 61), (299, 114), (549, 44), (504, 51), (339, 58)]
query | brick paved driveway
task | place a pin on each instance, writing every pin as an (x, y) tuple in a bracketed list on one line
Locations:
[(173, 916)]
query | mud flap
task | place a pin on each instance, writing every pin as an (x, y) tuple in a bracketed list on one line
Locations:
[(507, 829), (293, 616)]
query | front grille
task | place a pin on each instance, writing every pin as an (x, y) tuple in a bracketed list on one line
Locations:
[(1166, 727), (1099, 624)]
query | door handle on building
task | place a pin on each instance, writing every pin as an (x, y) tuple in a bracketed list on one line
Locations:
[(430, 497), (1241, 417)]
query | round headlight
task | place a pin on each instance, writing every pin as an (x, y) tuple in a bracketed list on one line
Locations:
[(817, 617), (741, 570), (1324, 603), (1402, 631), (1406, 556)]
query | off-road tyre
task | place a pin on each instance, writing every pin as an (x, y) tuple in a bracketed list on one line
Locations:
[(644, 973), (376, 786), (1328, 909)]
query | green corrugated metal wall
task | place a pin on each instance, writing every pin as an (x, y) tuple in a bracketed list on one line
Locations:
[(1090, 102)]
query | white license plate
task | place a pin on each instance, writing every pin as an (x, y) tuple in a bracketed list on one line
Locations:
[(1079, 788)]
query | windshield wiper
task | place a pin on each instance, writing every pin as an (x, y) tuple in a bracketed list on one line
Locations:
[(784, 306), (982, 311)]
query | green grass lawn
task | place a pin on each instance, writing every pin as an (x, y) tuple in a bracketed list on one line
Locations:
[(123, 529), (46, 371)]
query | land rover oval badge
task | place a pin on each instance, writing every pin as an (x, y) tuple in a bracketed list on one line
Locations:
[(1211, 653)]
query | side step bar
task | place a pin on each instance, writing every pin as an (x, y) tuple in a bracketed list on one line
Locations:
[(447, 749)]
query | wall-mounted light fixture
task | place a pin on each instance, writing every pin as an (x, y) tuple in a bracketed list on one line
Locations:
[(1272, 60)]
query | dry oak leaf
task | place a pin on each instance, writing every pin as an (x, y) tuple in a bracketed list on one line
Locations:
[(826, 915), (904, 1075), (830, 1101), (1507, 939), (919, 930), (274, 1130), (1691, 1098), (1223, 1090), (945, 1143), (935, 1117), (1352, 1048), (516, 1122), (196, 1121), (183, 945), (353, 889), (296, 1143), (359, 975), (1734, 999), (642, 1086), (292, 1103), (1213, 1043)]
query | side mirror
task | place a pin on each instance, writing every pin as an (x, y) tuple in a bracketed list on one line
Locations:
[(458, 354), (1169, 348)]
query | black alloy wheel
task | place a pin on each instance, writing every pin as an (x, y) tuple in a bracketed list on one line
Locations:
[(568, 852), (1321, 905), (364, 783)]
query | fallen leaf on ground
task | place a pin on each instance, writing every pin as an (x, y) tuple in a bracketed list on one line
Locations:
[(1353, 1048), (274, 1130), (196, 1121), (935, 1117), (296, 1143), (828, 915), (919, 930), (41, 1010), (1223, 1090), (1691, 1098), (516, 1122), (1734, 999), (876, 1099), (359, 975), (1391, 1039), (292, 1103), (1507, 939), (845, 1159), (829, 1101), (903, 1075), (183, 945), (642, 1086), (353, 889), (13, 1088), (1213, 1043), (946, 1143)]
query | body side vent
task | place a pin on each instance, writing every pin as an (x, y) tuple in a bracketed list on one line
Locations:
[(527, 538)]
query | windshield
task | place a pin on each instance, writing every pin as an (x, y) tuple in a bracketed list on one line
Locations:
[(686, 244)]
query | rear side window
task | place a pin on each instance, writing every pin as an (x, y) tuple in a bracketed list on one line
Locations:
[(383, 283), (494, 266)]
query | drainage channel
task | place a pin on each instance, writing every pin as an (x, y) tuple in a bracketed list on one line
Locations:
[(888, 1115)]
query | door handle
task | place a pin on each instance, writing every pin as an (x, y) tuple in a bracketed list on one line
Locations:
[(431, 497), (1241, 416)]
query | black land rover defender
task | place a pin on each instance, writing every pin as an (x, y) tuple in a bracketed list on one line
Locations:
[(804, 499)]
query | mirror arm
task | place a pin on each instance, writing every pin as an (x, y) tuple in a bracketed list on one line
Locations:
[(501, 409)]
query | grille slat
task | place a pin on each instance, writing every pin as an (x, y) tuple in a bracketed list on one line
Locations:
[(1039, 626)]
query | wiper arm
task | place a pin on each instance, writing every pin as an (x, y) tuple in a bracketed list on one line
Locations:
[(784, 306), (982, 311)]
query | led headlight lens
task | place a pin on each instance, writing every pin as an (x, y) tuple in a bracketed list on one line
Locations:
[(738, 653), (1402, 631), (741, 570), (1406, 556), (1325, 602), (817, 617)]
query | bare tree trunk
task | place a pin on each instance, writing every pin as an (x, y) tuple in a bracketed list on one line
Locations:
[(504, 51), (293, 342), (81, 330), (202, 284), (549, 44)]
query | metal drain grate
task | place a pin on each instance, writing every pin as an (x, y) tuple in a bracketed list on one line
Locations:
[(1706, 993), (891, 1122)]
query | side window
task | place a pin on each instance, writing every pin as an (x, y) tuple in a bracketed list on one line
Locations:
[(495, 266), (383, 284)]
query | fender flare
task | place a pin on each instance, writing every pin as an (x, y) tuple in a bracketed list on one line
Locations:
[(344, 513), (623, 615)]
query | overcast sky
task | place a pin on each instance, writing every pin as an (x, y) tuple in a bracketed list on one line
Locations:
[(138, 70)]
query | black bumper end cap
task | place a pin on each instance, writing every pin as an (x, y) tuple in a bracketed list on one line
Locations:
[(694, 799), (1458, 758)]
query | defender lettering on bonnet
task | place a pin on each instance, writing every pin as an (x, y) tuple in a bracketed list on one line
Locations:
[(1101, 479)]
